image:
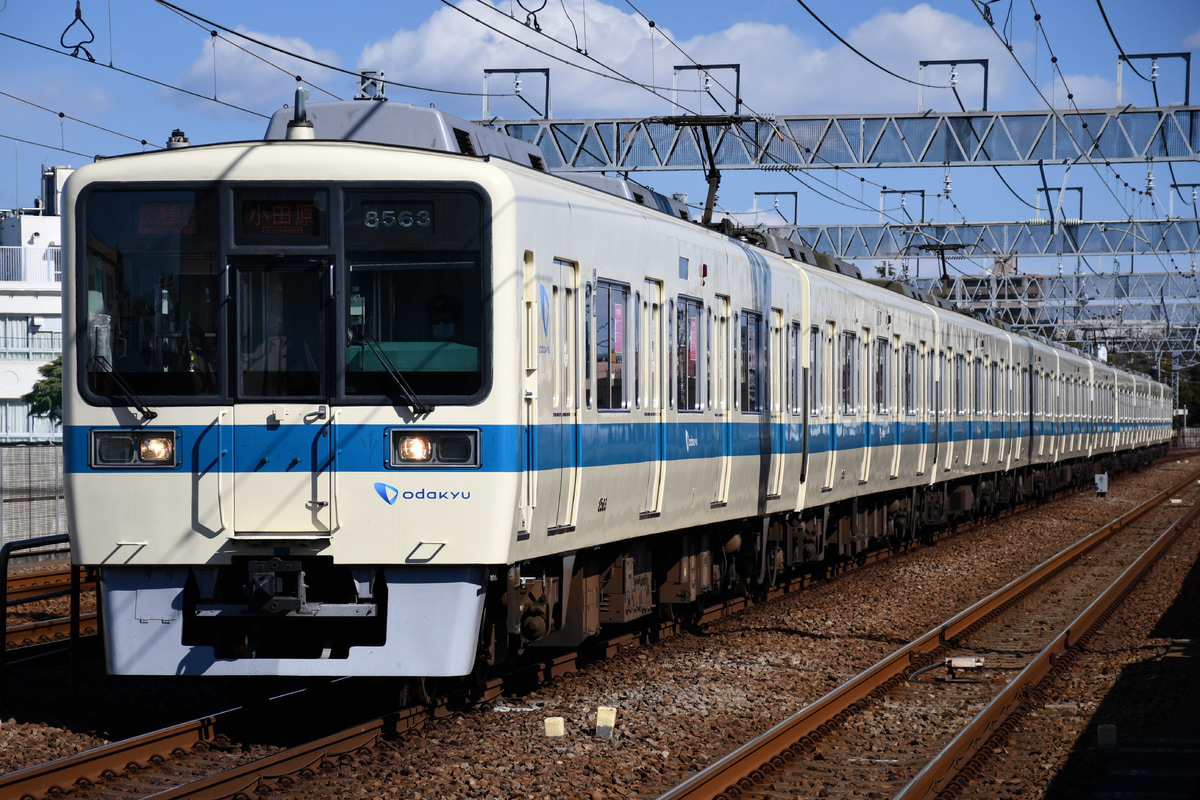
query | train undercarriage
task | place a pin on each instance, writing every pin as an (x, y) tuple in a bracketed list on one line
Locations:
[(562, 600)]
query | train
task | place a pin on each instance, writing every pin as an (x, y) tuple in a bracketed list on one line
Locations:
[(381, 395)]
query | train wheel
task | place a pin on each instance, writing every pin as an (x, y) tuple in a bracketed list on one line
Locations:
[(418, 691)]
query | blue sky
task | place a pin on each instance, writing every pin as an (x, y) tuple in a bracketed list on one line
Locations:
[(790, 65)]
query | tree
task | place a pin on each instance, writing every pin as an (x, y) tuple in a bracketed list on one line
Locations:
[(45, 399)]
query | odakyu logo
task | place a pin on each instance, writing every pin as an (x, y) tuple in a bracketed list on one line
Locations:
[(391, 494), (545, 311)]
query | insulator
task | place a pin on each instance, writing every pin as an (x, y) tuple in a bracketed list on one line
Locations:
[(517, 85)]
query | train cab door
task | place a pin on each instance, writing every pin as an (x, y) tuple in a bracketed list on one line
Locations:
[(283, 435), (653, 318), (562, 429)]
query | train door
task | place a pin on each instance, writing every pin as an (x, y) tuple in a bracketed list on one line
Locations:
[(722, 411), (866, 405), (653, 318), (564, 429), (925, 406), (839, 389), (776, 370), (902, 400), (283, 425), (945, 422)]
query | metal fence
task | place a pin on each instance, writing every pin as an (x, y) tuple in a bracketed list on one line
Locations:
[(31, 491), (1186, 437), (31, 264)]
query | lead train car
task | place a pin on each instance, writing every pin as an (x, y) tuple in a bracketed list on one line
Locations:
[(339, 405)]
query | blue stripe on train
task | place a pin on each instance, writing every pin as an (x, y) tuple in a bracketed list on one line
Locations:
[(611, 442)]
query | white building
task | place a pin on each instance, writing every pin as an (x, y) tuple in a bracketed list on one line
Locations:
[(30, 307)]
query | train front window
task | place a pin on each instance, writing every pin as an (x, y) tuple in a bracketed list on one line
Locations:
[(280, 331), (415, 293), (151, 296)]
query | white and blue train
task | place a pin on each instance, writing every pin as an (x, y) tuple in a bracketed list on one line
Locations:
[(378, 395)]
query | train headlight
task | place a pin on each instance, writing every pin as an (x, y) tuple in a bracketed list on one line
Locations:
[(415, 448), (157, 449), (434, 448), (132, 449)]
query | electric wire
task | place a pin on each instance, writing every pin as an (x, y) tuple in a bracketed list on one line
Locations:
[(784, 166), (613, 73), (858, 52), (1095, 142), (1120, 50), (139, 76), (1083, 153), (47, 146), (63, 115), (248, 52), (307, 59)]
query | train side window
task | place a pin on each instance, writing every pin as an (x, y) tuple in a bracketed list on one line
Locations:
[(960, 384), (980, 394), (883, 376), (612, 302), (849, 370), (687, 350), (909, 379), (749, 367), (995, 387)]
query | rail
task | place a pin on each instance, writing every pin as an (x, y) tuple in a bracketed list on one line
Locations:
[(728, 776), (60, 544)]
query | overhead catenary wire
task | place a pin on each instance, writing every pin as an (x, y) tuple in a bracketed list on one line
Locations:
[(215, 36), (139, 76), (307, 59), (859, 53), (64, 115), (1120, 50), (47, 146)]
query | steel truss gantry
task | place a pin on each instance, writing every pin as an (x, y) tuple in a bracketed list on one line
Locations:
[(1030, 238), (973, 138), (1152, 314)]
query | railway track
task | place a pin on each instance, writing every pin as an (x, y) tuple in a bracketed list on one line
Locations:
[(30, 599), (33, 586), (197, 760), (907, 727)]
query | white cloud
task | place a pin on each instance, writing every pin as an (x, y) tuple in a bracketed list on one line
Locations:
[(783, 71), (255, 77), (1087, 91), (1193, 42)]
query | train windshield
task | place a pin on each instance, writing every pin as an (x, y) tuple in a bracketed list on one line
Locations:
[(414, 302), (202, 292), (151, 293)]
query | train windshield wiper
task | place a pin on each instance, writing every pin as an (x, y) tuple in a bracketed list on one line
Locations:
[(406, 393), (127, 393)]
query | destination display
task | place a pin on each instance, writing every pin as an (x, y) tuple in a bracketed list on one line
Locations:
[(285, 218)]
